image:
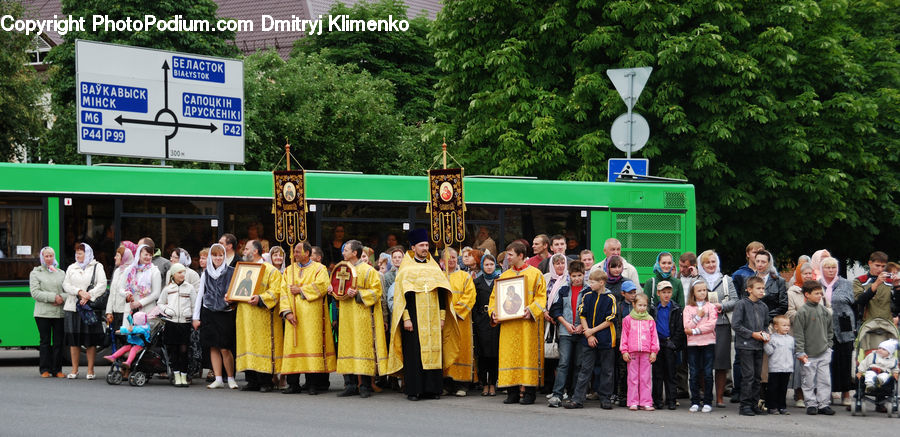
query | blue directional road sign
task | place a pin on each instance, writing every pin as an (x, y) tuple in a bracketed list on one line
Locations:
[(633, 166)]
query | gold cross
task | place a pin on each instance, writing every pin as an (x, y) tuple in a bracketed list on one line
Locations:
[(343, 276)]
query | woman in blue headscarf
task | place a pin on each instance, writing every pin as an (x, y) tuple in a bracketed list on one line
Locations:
[(487, 337), (664, 270)]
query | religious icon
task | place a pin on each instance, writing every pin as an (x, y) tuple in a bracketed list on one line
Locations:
[(510, 298), (446, 191), (289, 192), (245, 283), (343, 276)]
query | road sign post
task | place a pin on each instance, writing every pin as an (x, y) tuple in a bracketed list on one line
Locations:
[(633, 167), (158, 104), (630, 134)]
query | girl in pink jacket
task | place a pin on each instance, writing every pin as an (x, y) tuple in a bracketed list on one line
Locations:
[(700, 327), (639, 346)]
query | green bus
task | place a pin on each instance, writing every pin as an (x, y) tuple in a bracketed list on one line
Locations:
[(60, 205)]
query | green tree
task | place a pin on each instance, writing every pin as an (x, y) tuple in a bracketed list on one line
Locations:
[(403, 58), (763, 106), (21, 91), (335, 117), (61, 146)]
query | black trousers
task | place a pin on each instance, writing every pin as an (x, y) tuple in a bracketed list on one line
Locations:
[(51, 344), (777, 390), (751, 373), (664, 384), (352, 381), (317, 380), (487, 370), (258, 378)]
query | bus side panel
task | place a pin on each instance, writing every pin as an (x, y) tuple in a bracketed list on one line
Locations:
[(601, 229), (17, 313)]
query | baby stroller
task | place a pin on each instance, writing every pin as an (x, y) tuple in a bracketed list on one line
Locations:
[(871, 334), (152, 359)]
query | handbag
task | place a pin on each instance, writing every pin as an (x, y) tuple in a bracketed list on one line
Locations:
[(87, 314), (98, 304), (551, 345)]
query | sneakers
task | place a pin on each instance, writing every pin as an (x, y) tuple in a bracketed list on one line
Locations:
[(800, 403), (707, 408), (826, 411), (461, 393), (694, 408), (232, 384), (633, 408), (649, 408), (216, 384), (554, 402), (783, 412), (812, 411)]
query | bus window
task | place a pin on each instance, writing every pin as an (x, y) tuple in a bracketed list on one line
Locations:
[(90, 220), (21, 237)]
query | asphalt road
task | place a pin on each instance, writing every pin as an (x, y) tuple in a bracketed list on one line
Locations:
[(34, 406)]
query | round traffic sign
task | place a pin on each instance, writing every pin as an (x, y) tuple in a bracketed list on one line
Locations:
[(640, 132)]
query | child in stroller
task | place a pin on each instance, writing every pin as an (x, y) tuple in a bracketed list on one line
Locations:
[(879, 365), (148, 359), (137, 335)]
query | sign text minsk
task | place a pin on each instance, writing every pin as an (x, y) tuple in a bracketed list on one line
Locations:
[(157, 104)]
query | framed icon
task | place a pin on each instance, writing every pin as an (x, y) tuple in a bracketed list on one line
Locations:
[(245, 283), (510, 298)]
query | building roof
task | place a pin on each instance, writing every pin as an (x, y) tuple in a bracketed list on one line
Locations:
[(251, 41)]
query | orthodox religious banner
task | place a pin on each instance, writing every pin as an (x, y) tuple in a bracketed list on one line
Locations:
[(447, 206), (290, 206)]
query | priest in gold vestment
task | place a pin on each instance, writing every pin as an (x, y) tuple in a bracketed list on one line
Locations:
[(521, 357), (462, 372), (308, 341), (258, 327), (424, 331), (361, 353)]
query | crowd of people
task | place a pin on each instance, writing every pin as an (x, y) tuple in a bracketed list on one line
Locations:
[(431, 327)]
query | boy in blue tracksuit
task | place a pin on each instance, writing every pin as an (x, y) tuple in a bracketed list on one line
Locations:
[(598, 316)]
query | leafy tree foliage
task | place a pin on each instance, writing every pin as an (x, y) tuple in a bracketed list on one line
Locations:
[(62, 140), (403, 58), (21, 91), (335, 117), (783, 114)]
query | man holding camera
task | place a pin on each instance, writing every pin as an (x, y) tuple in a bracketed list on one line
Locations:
[(872, 291)]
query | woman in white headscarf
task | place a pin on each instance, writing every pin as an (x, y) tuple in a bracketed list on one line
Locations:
[(116, 306), (85, 281), (181, 256), (143, 282), (215, 318), (45, 283), (724, 297)]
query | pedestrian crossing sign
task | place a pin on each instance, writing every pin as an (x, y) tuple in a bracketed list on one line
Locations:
[(627, 167)]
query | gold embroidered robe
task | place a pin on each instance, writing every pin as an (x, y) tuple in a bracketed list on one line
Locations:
[(309, 346), (259, 331), (361, 343), (463, 299), (521, 356)]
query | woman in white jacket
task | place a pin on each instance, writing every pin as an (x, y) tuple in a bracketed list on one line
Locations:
[(85, 282), (143, 282), (176, 305), (116, 307)]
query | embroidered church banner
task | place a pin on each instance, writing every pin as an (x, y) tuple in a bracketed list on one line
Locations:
[(447, 205), (290, 206)]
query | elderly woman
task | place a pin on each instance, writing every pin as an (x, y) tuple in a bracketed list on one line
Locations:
[(85, 281), (46, 283), (839, 293), (724, 297)]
